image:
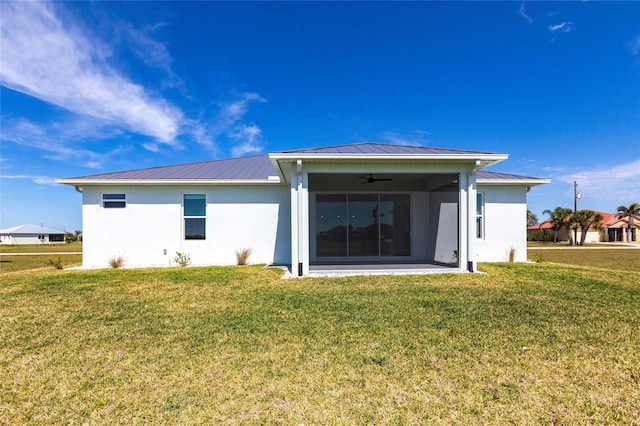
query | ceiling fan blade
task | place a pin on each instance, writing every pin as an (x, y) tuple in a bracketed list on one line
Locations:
[(371, 179)]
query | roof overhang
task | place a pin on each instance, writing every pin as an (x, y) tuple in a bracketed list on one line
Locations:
[(273, 180), (513, 182), (281, 160)]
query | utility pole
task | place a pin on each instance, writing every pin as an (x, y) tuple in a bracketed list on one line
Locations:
[(576, 197)]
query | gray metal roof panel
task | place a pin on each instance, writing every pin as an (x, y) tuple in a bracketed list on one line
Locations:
[(381, 148), (29, 229), (242, 168), (484, 175)]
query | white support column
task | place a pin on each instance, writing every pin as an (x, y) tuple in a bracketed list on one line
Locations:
[(299, 220), (463, 223), (304, 222), (294, 223), (472, 201)]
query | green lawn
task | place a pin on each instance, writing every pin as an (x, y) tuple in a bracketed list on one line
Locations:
[(13, 258), (617, 259), (41, 248), (522, 344)]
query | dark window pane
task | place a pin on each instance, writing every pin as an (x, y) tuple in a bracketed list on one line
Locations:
[(56, 237), (194, 229), (395, 225), (331, 225), (195, 205), (363, 225), (113, 196), (114, 204)]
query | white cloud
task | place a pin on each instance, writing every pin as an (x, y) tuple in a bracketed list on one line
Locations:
[(618, 184), (634, 46), (233, 111), (40, 180), (564, 27), (245, 138), (60, 140), (51, 57), (524, 14), (416, 138), (54, 61)]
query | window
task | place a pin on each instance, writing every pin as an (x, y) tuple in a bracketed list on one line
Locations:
[(114, 201), (195, 213), (56, 238), (480, 215)]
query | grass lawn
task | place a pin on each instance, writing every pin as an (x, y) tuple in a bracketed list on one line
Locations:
[(64, 254), (24, 263), (41, 248), (523, 344), (617, 259)]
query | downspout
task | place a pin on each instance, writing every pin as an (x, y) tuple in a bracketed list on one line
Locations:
[(78, 189), (299, 215), (470, 237)]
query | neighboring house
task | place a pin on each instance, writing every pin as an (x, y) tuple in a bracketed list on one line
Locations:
[(613, 229), (359, 208), (31, 234)]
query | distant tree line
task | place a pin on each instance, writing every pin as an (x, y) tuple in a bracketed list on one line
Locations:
[(72, 237), (563, 218)]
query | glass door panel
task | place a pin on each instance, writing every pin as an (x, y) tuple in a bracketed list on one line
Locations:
[(331, 225), (363, 225), (395, 225)]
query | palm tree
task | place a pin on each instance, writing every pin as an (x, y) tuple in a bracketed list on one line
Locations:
[(585, 219), (629, 213), (532, 219), (560, 218)]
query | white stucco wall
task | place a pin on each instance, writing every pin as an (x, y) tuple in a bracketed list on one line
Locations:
[(505, 213), (149, 231), (443, 227)]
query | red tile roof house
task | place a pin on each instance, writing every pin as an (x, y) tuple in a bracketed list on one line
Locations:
[(350, 209), (614, 229)]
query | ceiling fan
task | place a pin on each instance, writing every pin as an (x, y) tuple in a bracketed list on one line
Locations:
[(371, 179)]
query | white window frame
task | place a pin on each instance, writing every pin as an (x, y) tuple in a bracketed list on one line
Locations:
[(185, 217)]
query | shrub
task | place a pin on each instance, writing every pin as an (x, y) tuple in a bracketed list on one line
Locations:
[(182, 259), (116, 262), (57, 264), (242, 256), (512, 254)]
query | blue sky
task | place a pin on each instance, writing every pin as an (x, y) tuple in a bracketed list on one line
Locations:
[(89, 87)]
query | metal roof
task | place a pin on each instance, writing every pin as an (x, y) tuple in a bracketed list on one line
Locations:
[(29, 229), (257, 167), (381, 148), (484, 175), (261, 168)]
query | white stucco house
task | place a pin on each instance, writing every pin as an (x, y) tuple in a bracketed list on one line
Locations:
[(357, 208), (31, 234)]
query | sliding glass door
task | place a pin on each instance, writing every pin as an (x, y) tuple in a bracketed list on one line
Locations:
[(362, 225)]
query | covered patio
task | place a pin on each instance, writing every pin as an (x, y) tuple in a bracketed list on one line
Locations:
[(411, 211)]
